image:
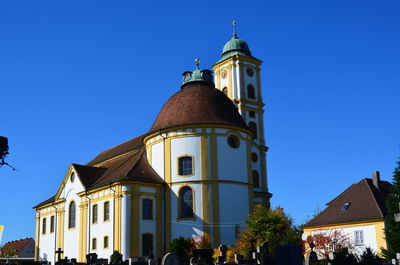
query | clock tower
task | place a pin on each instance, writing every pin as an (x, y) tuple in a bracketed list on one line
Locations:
[(237, 75)]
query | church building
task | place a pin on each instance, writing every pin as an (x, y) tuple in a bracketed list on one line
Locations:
[(197, 171)]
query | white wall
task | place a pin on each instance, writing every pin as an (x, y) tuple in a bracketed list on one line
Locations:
[(185, 146), (157, 158), (232, 162), (369, 237), (234, 208), (46, 241)]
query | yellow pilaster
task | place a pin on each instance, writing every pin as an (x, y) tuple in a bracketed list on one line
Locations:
[(83, 208), (117, 219), (37, 234), (167, 173)]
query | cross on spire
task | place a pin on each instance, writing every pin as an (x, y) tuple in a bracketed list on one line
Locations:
[(234, 29)]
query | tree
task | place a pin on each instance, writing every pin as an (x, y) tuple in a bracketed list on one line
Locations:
[(368, 257), (328, 241), (392, 228), (116, 257), (181, 247), (342, 257), (272, 225)]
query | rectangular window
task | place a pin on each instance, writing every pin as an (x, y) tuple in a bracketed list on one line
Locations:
[(106, 242), (52, 224), (147, 209), (147, 245), (44, 226), (185, 165), (95, 212), (359, 237), (94, 244), (106, 211)]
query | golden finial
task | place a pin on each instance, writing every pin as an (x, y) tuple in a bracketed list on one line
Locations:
[(234, 28), (197, 60)]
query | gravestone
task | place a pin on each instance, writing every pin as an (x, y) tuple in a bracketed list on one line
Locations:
[(170, 259), (289, 254)]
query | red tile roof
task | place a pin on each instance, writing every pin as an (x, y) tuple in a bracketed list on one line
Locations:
[(366, 202), (18, 245)]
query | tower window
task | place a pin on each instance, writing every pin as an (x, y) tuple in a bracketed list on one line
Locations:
[(252, 114), (185, 165), (105, 242), (52, 224), (106, 211), (147, 245), (147, 209), (250, 71), (225, 91), (251, 92), (94, 243), (71, 215), (233, 141), (44, 226), (186, 202), (254, 157), (256, 179), (95, 214), (253, 128)]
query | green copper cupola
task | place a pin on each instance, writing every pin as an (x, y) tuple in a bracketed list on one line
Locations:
[(197, 75)]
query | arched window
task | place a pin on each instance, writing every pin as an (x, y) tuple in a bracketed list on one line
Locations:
[(106, 211), (225, 91), (253, 128), (186, 202), (185, 164), (256, 179), (71, 215), (251, 92), (95, 214)]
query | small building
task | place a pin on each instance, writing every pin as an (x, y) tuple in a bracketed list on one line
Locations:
[(358, 213), (18, 251)]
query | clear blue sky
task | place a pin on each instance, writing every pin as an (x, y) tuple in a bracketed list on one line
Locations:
[(77, 77)]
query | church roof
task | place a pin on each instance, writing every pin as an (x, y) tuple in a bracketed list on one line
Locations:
[(235, 46), (362, 201), (131, 166), (198, 103)]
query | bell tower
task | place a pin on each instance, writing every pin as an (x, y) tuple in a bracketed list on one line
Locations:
[(237, 75)]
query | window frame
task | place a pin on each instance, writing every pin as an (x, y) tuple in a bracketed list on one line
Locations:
[(106, 239), (152, 244), (180, 203), (179, 165), (151, 209), (359, 238), (255, 175), (95, 214), (253, 128), (251, 92), (70, 225), (106, 212), (44, 226), (52, 223), (94, 243)]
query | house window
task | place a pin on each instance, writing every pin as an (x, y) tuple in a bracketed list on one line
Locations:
[(147, 209), (94, 243), (71, 215), (147, 245), (185, 165), (52, 224), (359, 237), (106, 242), (256, 179), (95, 213), (186, 202), (44, 226), (251, 92), (253, 128), (225, 91), (252, 114), (106, 211)]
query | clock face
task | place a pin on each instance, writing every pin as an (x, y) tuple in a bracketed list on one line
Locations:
[(250, 71), (224, 74)]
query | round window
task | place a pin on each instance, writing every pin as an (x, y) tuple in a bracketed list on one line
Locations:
[(72, 177), (233, 141), (250, 71), (254, 157)]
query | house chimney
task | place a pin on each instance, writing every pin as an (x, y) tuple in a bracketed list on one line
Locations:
[(376, 178)]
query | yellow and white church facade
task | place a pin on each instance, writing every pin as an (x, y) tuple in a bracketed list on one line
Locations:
[(197, 172)]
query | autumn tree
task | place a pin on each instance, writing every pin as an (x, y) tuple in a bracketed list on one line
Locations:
[(272, 225), (328, 241), (8, 251), (392, 228)]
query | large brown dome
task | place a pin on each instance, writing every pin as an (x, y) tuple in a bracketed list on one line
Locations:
[(198, 103)]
